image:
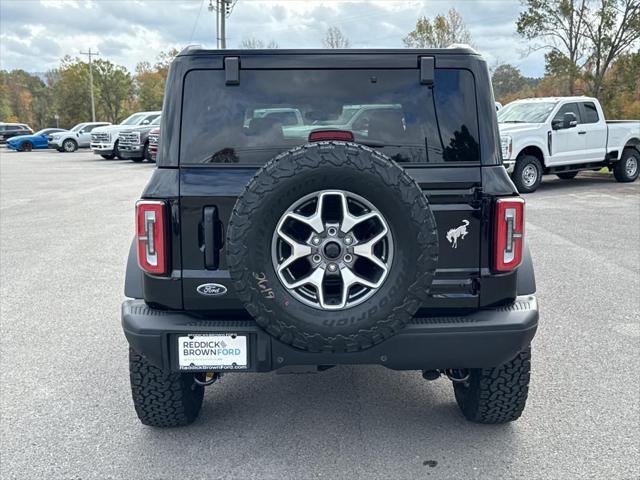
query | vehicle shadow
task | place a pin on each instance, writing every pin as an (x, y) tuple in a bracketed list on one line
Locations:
[(584, 181), (378, 419)]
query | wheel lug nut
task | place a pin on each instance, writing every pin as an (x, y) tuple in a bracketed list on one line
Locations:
[(348, 240), (348, 258), (332, 267), (332, 231), (316, 258), (316, 240)]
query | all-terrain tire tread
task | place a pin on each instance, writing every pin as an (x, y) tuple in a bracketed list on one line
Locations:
[(496, 395), (289, 164), (163, 399)]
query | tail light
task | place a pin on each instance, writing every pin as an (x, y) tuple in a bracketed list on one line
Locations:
[(151, 236), (508, 237), (321, 135)]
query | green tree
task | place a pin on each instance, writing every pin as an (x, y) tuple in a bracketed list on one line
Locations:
[(443, 31), (507, 79), (560, 26), (69, 85), (114, 90), (334, 38)]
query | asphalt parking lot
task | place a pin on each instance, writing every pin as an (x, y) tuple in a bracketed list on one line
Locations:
[(66, 221)]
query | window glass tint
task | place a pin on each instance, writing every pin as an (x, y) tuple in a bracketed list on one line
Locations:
[(133, 119), (274, 110), (526, 112), (566, 108), (590, 113)]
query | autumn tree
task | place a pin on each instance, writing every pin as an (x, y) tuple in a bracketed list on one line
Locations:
[(150, 81), (334, 38), (558, 26), (614, 28), (443, 31), (24, 98)]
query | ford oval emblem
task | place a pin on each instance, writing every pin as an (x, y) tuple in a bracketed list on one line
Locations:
[(211, 289)]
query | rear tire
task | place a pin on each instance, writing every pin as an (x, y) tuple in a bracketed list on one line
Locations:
[(626, 170), (527, 174), (496, 395), (567, 175), (163, 399), (26, 147)]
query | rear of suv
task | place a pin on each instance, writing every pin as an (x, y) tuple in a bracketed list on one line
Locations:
[(395, 240)]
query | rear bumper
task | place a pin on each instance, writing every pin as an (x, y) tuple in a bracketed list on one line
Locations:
[(485, 338)]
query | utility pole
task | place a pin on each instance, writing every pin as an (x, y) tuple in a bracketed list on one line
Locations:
[(93, 103), (223, 9)]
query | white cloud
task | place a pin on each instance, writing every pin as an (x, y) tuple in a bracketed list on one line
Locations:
[(35, 35)]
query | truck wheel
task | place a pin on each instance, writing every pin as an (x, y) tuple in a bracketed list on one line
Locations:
[(25, 147), (496, 395), (116, 151), (69, 145), (332, 247), (626, 170), (567, 175), (163, 399), (145, 152), (527, 175)]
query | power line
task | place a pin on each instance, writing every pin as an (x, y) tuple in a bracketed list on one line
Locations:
[(93, 103), (195, 25)]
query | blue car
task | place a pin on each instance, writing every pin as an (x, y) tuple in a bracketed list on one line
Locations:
[(26, 143)]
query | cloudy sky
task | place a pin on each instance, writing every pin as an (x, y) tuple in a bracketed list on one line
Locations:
[(36, 34)]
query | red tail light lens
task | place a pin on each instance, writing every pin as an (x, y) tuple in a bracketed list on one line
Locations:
[(508, 237), (320, 135), (151, 236)]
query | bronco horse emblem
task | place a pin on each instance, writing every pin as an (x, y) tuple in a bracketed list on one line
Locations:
[(455, 233)]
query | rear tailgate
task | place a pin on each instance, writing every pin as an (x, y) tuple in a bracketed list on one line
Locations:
[(224, 142)]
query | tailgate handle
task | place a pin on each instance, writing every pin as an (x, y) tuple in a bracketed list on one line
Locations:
[(212, 238), (427, 67), (232, 70)]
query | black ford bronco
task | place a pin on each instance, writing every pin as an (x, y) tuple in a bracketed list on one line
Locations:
[(312, 208)]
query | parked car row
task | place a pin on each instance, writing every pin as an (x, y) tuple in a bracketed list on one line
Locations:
[(105, 141), (129, 139), (9, 130)]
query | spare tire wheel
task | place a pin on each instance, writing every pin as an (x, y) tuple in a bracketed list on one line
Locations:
[(332, 247)]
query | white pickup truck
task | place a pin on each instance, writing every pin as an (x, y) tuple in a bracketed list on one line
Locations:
[(564, 135), (104, 140)]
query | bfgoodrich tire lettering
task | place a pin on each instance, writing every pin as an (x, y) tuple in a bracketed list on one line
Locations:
[(163, 399), (313, 168), (496, 395)]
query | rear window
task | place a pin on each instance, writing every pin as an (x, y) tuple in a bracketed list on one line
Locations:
[(590, 113), (274, 110)]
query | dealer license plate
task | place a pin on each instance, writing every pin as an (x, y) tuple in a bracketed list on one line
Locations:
[(212, 352)]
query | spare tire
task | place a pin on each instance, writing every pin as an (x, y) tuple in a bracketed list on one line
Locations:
[(332, 247)]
